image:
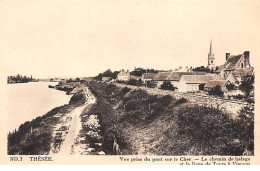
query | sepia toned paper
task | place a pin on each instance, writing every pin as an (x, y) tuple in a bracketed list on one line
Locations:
[(55, 40)]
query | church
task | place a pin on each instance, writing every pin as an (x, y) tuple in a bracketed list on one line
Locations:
[(235, 67), (232, 71)]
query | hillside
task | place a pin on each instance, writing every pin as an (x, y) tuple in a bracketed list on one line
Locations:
[(139, 123)]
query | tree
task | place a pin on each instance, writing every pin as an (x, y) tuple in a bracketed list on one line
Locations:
[(107, 73), (217, 91), (247, 84), (201, 69), (167, 85)]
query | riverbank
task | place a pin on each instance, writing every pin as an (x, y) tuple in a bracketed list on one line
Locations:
[(106, 119), (35, 137)]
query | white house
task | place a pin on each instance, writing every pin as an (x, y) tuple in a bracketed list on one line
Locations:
[(192, 83), (123, 76), (173, 77)]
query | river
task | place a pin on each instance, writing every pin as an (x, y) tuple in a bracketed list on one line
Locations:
[(27, 101)]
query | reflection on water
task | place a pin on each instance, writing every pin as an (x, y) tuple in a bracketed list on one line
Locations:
[(28, 100)]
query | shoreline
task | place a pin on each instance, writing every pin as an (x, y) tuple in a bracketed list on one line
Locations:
[(40, 129)]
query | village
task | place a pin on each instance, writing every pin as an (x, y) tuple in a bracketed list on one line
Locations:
[(224, 81)]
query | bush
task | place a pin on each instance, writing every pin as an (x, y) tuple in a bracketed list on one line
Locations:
[(134, 82), (247, 84), (209, 130), (123, 91), (217, 91), (245, 127), (167, 85), (180, 101)]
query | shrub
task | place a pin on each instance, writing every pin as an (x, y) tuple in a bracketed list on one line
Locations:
[(123, 91), (245, 127), (247, 84), (167, 85), (217, 91), (165, 100), (180, 101), (134, 82), (208, 129)]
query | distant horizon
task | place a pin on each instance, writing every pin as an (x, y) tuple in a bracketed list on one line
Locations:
[(47, 77)]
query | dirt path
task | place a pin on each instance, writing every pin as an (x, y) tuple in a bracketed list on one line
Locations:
[(70, 144), (67, 146)]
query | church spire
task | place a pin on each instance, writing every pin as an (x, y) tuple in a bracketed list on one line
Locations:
[(211, 58), (210, 49)]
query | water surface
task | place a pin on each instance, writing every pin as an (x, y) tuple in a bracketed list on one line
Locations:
[(26, 101)]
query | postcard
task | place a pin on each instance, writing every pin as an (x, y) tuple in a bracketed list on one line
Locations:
[(121, 82)]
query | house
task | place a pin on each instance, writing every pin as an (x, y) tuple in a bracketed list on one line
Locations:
[(104, 79), (123, 76), (146, 77), (192, 83), (213, 83), (173, 77), (236, 66)]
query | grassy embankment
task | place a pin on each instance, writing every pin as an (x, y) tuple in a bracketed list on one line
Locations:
[(35, 137), (161, 125)]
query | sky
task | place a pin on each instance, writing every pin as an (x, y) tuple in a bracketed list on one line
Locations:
[(54, 38)]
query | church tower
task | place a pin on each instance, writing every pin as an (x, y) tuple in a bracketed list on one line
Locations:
[(211, 58)]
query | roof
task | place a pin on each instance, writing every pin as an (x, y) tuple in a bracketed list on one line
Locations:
[(230, 63), (173, 76), (242, 72), (231, 73), (197, 79), (161, 76), (148, 75), (213, 83)]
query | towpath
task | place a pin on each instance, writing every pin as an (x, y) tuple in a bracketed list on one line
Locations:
[(68, 146)]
